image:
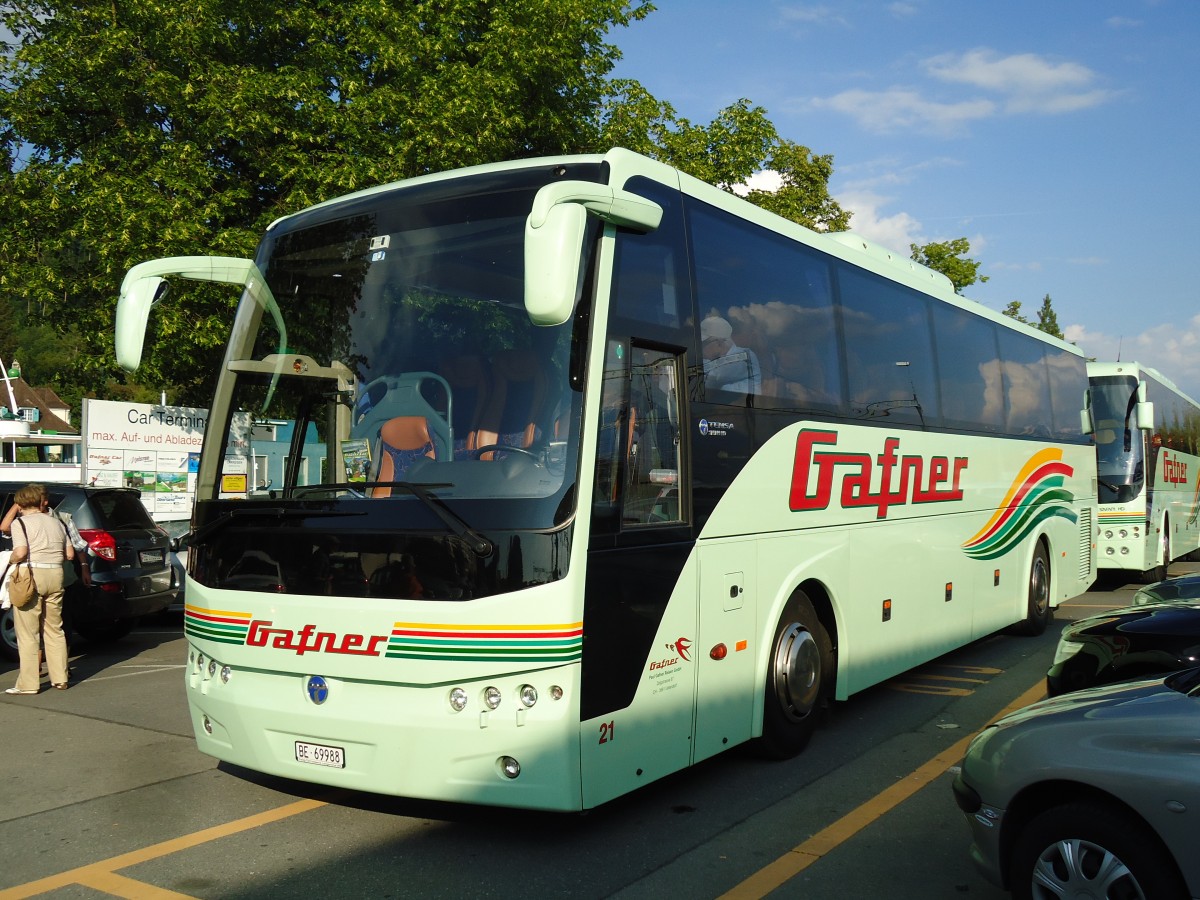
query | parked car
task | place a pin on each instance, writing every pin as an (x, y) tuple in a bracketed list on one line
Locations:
[(127, 555), (1092, 794), (1158, 633)]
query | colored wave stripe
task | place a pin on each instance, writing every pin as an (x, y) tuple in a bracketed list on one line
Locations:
[(507, 643), (1036, 494), (216, 625)]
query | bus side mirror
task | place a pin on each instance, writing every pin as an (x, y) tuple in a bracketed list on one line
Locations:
[(144, 287), (1085, 422), (1145, 415), (554, 235), (133, 314)]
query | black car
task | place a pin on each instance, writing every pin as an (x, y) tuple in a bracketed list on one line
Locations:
[(1159, 632), (128, 555)]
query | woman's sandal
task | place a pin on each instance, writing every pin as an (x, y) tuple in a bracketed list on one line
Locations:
[(61, 686)]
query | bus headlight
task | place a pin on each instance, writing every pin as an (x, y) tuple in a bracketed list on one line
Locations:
[(1108, 535), (1124, 534), (509, 767), (528, 695), (458, 699), (491, 697), (556, 692), (212, 668), (226, 674)]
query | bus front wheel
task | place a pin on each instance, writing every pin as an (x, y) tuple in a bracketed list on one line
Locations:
[(1159, 572), (798, 677), (1037, 604)]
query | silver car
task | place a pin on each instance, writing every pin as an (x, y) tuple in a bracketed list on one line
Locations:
[(1092, 794)]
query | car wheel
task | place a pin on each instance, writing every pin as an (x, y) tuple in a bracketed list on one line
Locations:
[(799, 673), (104, 632), (1037, 605), (8, 635), (1089, 850)]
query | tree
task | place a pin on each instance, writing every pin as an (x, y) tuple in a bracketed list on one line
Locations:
[(949, 258), (148, 129), (1047, 319), (740, 142)]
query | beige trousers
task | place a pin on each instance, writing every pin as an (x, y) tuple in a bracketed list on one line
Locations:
[(41, 627)]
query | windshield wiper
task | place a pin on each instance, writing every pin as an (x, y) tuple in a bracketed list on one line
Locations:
[(476, 541), (262, 512)]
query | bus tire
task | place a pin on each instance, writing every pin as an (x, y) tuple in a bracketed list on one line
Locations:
[(1037, 603), (799, 674)]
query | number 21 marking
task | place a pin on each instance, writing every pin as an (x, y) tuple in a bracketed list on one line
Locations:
[(607, 732)]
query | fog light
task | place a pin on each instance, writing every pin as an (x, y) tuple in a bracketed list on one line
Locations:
[(207, 726), (1108, 535), (1124, 551), (509, 767), (1124, 534), (458, 699), (556, 692), (226, 673), (528, 695), (1109, 551)]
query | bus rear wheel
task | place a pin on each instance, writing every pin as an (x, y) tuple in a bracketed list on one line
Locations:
[(799, 673), (1037, 604)]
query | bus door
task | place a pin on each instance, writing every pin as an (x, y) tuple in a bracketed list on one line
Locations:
[(725, 646)]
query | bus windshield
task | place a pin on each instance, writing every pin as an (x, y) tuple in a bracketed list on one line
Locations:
[(405, 309), (1120, 459)]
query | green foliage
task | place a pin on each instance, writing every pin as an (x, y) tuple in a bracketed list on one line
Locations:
[(150, 129), (740, 142), (1047, 319), (950, 258)]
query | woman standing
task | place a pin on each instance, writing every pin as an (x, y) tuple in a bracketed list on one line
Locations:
[(42, 540)]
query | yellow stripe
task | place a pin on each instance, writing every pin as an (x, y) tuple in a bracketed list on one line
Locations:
[(442, 626), (217, 612), (799, 858), (100, 872)]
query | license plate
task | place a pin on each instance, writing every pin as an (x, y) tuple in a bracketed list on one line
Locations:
[(320, 755), (150, 557)]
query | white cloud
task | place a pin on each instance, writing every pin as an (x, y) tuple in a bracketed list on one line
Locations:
[(896, 231), (812, 15), (1173, 349), (904, 109), (1018, 84), (1031, 83)]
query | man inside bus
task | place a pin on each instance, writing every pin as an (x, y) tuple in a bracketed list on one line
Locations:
[(727, 367)]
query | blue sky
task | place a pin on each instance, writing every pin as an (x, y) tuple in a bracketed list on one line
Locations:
[(1059, 137)]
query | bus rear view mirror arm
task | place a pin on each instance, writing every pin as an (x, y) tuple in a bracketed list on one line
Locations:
[(143, 288), (554, 234)]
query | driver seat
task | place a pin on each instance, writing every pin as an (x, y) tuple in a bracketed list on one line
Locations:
[(402, 441)]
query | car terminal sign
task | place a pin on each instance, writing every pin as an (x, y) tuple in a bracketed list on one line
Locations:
[(155, 449)]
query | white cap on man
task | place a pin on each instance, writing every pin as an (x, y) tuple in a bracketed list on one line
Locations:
[(715, 327)]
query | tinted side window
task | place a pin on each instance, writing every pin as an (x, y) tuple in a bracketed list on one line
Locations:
[(890, 368), (1026, 384), (1068, 384), (650, 281), (777, 296), (968, 370)]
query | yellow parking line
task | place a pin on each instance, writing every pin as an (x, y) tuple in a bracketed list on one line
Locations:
[(800, 857), (101, 875)]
